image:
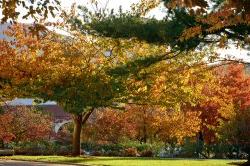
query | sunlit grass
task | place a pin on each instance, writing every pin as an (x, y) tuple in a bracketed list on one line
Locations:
[(127, 161)]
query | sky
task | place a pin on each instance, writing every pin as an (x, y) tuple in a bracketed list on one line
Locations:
[(113, 4), (110, 3), (27, 101)]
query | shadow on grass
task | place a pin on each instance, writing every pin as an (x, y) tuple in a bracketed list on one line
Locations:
[(95, 158), (50, 162), (239, 163)]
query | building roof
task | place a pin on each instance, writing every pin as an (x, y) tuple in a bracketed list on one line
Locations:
[(55, 111)]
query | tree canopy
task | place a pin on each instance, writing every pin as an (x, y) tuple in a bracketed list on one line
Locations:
[(83, 72), (187, 25)]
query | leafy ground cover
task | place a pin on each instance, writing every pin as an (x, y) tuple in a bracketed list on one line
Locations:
[(127, 161)]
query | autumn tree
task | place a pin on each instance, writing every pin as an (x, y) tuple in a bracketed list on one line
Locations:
[(172, 84), (72, 70), (227, 19), (16, 62), (226, 98), (143, 123), (237, 82), (155, 123), (174, 127), (55, 68), (214, 108), (142, 118), (20, 124), (5, 130), (106, 126), (29, 124), (236, 79)]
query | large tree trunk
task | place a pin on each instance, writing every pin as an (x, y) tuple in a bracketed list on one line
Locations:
[(144, 130), (145, 136), (79, 121), (200, 145), (77, 135)]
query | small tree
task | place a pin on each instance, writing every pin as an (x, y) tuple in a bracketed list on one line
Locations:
[(235, 129), (24, 124), (106, 126), (70, 71), (5, 129)]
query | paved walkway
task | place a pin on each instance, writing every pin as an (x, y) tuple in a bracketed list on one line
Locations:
[(27, 163)]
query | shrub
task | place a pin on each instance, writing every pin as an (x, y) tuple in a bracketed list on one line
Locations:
[(41, 148), (89, 146), (113, 153), (119, 149), (130, 152), (63, 150), (97, 153), (6, 152), (31, 148), (111, 147), (147, 153), (135, 144), (154, 147), (103, 149), (188, 149)]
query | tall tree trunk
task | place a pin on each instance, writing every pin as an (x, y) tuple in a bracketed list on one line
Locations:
[(79, 121), (145, 136), (200, 145), (77, 135)]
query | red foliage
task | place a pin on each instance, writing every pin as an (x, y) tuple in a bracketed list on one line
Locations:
[(141, 123), (104, 125), (5, 130), (230, 97), (24, 124), (238, 85)]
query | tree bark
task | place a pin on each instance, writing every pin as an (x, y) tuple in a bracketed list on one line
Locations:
[(77, 135), (79, 121), (145, 136), (200, 145)]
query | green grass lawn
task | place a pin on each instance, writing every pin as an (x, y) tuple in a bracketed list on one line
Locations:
[(123, 161)]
